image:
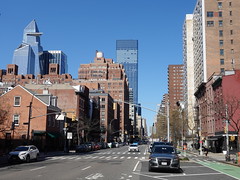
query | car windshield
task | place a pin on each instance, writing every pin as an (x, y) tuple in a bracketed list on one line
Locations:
[(133, 145), (164, 150), (21, 148)]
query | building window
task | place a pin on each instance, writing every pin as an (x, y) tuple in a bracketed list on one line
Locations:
[(232, 51), (221, 52), (220, 23), (221, 42), (231, 32), (231, 22), (16, 119), (220, 14), (221, 61), (222, 70), (17, 100), (230, 4), (210, 14), (210, 23), (230, 13), (220, 33), (231, 41), (219, 5)]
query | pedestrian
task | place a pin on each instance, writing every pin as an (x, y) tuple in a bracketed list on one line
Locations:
[(206, 152)]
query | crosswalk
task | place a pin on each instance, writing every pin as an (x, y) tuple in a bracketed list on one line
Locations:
[(100, 156)]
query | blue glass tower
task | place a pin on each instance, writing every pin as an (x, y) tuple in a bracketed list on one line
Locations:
[(127, 54), (55, 57), (28, 56)]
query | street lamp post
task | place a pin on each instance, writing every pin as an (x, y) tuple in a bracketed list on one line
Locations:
[(152, 131)]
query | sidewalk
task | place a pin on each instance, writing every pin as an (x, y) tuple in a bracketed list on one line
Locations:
[(220, 157)]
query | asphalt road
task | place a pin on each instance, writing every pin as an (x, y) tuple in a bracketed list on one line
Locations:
[(115, 164)]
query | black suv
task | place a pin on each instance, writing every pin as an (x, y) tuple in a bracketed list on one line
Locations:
[(164, 157)]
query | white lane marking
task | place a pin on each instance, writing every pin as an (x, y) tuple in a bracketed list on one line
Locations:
[(135, 157), (101, 157), (122, 157), (118, 153), (115, 157), (136, 166), (37, 168), (86, 168), (94, 176), (128, 157)]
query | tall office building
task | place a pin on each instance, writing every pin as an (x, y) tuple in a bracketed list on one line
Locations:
[(216, 38), (28, 56), (127, 54), (55, 57)]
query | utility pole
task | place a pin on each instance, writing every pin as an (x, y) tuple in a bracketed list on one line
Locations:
[(168, 123), (227, 135), (29, 120)]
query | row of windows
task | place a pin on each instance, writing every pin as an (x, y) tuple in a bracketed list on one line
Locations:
[(221, 52), (219, 14), (51, 121), (222, 62), (220, 5)]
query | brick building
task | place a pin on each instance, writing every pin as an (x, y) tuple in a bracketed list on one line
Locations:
[(12, 77), (112, 80), (43, 129), (175, 85), (74, 101), (218, 100)]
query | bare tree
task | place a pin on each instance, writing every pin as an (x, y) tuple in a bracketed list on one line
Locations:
[(89, 126), (228, 108), (4, 114), (176, 123), (161, 127)]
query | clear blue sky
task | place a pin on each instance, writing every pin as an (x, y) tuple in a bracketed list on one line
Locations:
[(80, 27)]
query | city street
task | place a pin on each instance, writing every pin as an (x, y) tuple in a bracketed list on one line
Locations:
[(115, 163)]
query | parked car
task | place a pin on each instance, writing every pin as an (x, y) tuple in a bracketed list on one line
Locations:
[(90, 146), (24, 153), (81, 148), (96, 146), (164, 157), (133, 147)]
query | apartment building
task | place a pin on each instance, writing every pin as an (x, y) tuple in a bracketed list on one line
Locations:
[(175, 84), (112, 80), (216, 38)]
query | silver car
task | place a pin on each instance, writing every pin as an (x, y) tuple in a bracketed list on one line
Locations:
[(133, 147), (24, 153)]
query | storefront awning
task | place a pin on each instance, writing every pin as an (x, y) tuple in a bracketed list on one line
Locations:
[(38, 133), (53, 135)]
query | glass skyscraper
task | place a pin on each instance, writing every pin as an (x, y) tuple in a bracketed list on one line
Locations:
[(127, 54), (55, 57), (28, 56)]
